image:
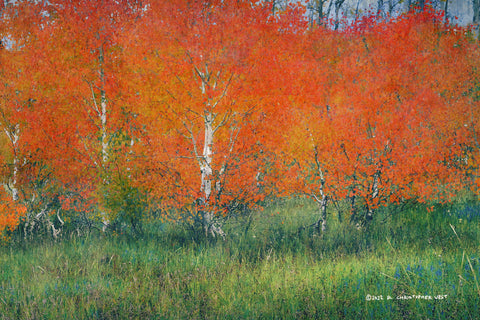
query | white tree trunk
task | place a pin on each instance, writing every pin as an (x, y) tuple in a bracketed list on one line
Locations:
[(129, 158), (14, 179), (207, 156), (371, 211), (323, 211), (322, 202), (103, 120), (103, 127), (207, 175), (103, 106), (14, 135)]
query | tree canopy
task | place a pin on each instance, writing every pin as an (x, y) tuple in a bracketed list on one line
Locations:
[(195, 111)]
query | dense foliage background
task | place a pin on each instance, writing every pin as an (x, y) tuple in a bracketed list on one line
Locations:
[(118, 112), (215, 159)]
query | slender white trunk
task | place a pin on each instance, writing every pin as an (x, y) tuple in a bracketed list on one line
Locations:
[(371, 211), (103, 119), (14, 179), (207, 175), (103, 127), (257, 178), (13, 136), (103, 112), (323, 200), (207, 156), (130, 153), (323, 210)]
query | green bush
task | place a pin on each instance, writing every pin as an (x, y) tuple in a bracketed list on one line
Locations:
[(126, 205)]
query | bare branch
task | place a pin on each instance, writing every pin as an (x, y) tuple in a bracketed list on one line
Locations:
[(224, 93)]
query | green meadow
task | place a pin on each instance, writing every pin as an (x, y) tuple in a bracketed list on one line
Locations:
[(409, 263)]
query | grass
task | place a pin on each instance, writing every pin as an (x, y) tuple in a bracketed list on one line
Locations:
[(272, 271)]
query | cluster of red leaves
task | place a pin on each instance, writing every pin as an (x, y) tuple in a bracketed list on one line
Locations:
[(11, 213)]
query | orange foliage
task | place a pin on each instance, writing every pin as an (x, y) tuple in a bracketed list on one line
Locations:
[(226, 94), (11, 213), (197, 63), (381, 110)]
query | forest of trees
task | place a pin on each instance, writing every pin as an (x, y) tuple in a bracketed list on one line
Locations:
[(115, 111)]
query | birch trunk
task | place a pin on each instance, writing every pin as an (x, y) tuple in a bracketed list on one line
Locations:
[(129, 158), (103, 112), (14, 179), (103, 119), (13, 136), (322, 202), (207, 173), (103, 127), (206, 158), (371, 211), (322, 207), (206, 163)]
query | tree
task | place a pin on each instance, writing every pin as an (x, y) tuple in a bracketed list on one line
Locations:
[(419, 124), (476, 11), (200, 98), (198, 110), (81, 56), (370, 120), (310, 151), (317, 11), (16, 97)]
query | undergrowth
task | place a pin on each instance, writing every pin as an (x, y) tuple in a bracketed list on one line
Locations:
[(410, 264)]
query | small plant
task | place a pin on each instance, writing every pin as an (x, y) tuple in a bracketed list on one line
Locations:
[(125, 204)]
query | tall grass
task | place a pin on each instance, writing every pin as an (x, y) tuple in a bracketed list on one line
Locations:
[(274, 270)]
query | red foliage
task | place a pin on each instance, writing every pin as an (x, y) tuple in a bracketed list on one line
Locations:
[(225, 102)]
